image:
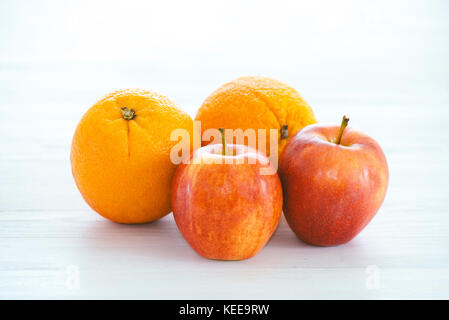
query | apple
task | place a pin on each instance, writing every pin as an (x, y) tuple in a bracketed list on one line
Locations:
[(224, 205), (334, 181)]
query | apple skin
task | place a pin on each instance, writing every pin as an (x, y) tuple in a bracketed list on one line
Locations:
[(226, 211), (331, 192)]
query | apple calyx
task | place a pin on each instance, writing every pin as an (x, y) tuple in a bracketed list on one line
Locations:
[(344, 123), (128, 114)]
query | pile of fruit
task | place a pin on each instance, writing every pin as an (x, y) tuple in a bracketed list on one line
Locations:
[(227, 195)]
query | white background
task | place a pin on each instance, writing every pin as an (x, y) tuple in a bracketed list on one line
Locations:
[(383, 63)]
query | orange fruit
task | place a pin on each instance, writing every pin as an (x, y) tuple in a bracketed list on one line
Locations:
[(120, 155), (256, 103)]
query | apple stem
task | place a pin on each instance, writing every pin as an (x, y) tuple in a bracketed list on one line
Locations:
[(223, 141), (343, 125)]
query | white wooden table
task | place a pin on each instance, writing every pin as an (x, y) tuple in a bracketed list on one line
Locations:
[(390, 78)]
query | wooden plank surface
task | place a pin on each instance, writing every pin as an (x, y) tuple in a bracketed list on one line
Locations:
[(390, 77)]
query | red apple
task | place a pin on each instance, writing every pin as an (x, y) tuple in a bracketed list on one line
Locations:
[(334, 181), (223, 206)]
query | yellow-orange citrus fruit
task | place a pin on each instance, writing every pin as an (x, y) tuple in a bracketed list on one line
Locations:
[(256, 103), (121, 155)]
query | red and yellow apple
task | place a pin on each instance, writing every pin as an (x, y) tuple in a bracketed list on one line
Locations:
[(334, 181), (223, 205)]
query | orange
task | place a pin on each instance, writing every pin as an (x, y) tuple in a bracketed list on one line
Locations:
[(256, 103), (120, 155)]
